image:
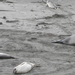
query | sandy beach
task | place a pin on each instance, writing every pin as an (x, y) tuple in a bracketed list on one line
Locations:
[(27, 28)]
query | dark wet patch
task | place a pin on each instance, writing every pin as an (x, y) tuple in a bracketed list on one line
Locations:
[(5, 10), (43, 23), (32, 10), (59, 16), (56, 16), (11, 21), (48, 17), (9, 2), (37, 2), (32, 38), (2, 0), (1, 23), (58, 5)]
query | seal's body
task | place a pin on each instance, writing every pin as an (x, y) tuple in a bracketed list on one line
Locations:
[(69, 40), (6, 56), (23, 67)]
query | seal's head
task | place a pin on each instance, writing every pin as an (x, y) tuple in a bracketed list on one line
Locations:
[(15, 71)]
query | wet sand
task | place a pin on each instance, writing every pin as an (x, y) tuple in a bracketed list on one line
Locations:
[(27, 31)]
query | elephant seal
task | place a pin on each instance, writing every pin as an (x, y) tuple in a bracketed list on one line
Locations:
[(6, 56), (69, 40), (24, 68)]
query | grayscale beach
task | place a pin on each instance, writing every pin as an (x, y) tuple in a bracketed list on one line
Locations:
[(27, 28)]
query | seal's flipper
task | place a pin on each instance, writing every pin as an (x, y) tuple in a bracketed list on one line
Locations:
[(58, 41)]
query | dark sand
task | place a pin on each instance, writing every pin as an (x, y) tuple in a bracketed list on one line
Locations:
[(27, 33)]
